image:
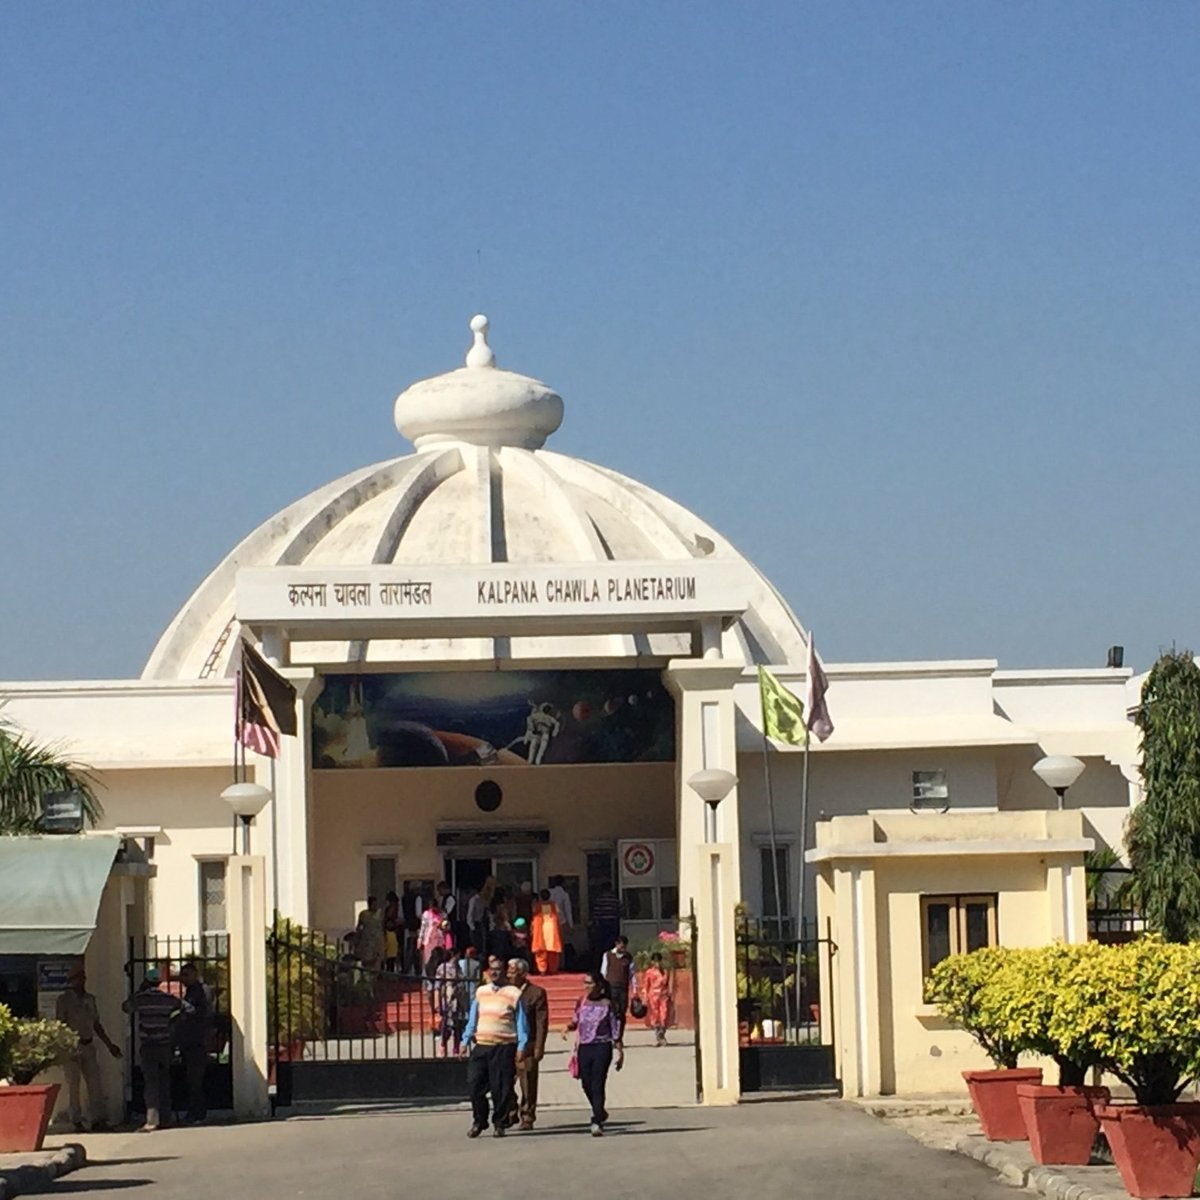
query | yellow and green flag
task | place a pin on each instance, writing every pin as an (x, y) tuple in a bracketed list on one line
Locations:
[(782, 713)]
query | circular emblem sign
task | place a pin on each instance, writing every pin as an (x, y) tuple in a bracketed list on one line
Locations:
[(639, 859)]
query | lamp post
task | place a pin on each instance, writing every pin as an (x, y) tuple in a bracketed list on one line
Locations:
[(247, 800), (1058, 772), (712, 785)]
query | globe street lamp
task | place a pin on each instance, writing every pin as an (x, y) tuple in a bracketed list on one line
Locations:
[(247, 800), (1059, 772), (712, 785)]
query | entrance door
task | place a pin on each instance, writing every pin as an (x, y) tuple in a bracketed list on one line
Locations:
[(466, 875), (511, 873)]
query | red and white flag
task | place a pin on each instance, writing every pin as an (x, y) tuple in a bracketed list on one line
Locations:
[(266, 704), (816, 711)]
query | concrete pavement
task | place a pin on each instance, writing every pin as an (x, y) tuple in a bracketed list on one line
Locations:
[(798, 1150)]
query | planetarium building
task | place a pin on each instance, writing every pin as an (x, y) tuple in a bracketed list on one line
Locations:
[(510, 662)]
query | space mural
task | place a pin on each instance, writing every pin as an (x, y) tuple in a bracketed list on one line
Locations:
[(492, 719)]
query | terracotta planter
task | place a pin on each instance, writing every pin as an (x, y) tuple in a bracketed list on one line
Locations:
[(994, 1097), (24, 1115), (1061, 1121), (1156, 1149)]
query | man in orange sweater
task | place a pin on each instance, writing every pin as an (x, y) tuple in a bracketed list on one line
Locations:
[(497, 1034)]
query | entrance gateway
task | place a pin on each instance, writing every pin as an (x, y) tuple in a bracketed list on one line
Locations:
[(481, 634), (513, 776)]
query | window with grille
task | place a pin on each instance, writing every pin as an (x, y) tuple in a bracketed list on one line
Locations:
[(213, 921), (775, 867), (955, 925), (930, 792), (381, 876)]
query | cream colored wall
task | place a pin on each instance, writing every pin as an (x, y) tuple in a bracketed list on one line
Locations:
[(186, 802), (921, 1053), (874, 870), (121, 915), (839, 785), (353, 809)]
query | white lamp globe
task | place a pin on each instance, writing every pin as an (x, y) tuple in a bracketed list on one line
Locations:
[(712, 784), (1058, 771), (246, 799)]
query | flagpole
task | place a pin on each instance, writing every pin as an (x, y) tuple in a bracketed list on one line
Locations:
[(800, 873), (274, 850), (774, 843)]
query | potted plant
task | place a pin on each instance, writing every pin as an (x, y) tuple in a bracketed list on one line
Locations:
[(1134, 1010), (28, 1047), (1018, 1003), (956, 986)]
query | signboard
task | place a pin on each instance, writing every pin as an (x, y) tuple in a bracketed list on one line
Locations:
[(314, 601), (638, 859), (493, 719), (450, 838), (52, 981)]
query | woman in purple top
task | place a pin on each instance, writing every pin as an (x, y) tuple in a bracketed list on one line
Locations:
[(597, 1028)]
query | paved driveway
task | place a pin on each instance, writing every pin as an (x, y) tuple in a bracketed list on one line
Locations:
[(795, 1150)]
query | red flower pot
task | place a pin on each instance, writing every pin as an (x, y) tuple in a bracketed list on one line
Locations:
[(994, 1097), (1061, 1121), (24, 1115), (1156, 1149)]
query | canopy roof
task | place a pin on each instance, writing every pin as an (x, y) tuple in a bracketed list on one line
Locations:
[(50, 890)]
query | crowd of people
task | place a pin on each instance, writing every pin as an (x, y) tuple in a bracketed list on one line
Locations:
[(410, 931)]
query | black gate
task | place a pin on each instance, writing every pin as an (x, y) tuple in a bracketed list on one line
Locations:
[(342, 1032), (785, 1007), (167, 955)]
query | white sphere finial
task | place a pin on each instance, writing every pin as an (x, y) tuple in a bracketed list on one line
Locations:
[(480, 353)]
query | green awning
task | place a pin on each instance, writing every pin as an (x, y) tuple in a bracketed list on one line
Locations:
[(50, 890)]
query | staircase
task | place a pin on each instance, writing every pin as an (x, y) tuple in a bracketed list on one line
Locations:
[(562, 990)]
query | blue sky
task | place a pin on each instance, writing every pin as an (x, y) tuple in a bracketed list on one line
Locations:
[(903, 298)]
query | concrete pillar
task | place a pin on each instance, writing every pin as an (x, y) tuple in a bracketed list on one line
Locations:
[(292, 804), (247, 915), (705, 736), (709, 874), (716, 973)]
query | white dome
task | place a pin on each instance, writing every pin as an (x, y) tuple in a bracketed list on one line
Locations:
[(474, 493)]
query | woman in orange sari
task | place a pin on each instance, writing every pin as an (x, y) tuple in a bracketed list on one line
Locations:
[(655, 984), (546, 941)]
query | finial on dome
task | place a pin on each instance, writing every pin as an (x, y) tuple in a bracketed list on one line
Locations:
[(480, 353)]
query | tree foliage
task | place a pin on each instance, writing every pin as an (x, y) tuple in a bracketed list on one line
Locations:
[(1163, 835), (29, 769), (957, 986)]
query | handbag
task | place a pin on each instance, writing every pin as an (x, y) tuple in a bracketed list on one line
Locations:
[(637, 1008)]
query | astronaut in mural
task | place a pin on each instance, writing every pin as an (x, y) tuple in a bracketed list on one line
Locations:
[(541, 727)]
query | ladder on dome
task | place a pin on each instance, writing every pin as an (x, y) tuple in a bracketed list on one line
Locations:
[(210, 663)]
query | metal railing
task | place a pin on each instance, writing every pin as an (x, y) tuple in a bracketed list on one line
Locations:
[(779, 983), (326, 1006)]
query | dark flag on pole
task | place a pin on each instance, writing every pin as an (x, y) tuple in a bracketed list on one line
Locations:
[(266, 704)]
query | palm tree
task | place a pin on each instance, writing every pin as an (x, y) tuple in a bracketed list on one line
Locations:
[(29, 769)]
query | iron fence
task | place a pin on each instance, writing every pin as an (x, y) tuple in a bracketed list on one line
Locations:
[(209, 954), (1113, 916), (780, 979), (326, 1007)]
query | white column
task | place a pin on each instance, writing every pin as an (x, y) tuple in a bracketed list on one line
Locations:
[(716, 973), (709, 874), (293, 792), (246, 898), (705, 736)]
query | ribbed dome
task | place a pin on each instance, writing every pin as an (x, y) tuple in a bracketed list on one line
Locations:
[(457, 501)]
